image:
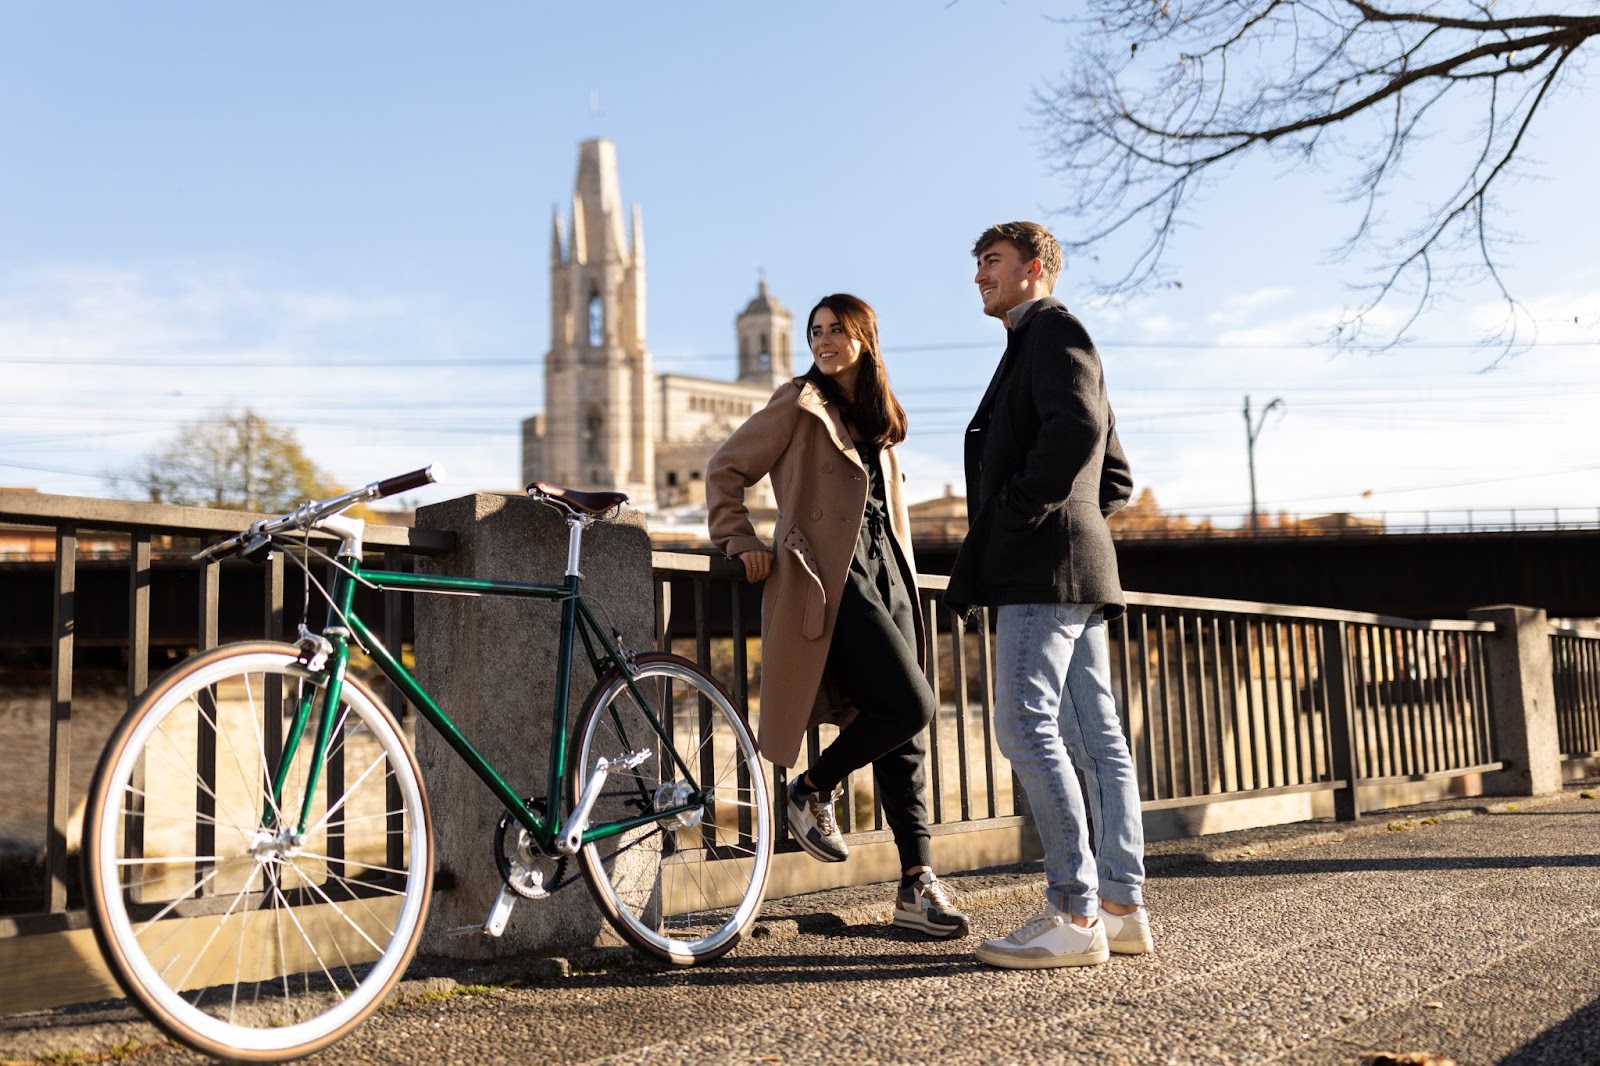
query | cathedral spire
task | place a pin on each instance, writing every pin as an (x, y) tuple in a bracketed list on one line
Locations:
[(557, 238), (599, 200)]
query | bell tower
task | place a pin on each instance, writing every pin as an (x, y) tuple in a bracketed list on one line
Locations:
[(598, 427), (766, 337)]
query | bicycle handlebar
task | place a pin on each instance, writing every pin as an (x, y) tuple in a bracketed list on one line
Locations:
[(256, 538)]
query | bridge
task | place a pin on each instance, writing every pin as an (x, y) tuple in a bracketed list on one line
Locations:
[(1414, 575)]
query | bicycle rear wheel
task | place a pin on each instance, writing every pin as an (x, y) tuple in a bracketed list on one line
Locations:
[(685, 886), (240, 935)]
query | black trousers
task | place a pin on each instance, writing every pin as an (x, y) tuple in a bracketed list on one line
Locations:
[(873, 659)]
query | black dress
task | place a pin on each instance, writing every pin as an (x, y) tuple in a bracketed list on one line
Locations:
[(872, 658)]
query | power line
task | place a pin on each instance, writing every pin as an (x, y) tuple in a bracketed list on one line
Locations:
[(227, 363)]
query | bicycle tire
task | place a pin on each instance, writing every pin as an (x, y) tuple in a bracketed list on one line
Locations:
[(181, 839), (653, 883)]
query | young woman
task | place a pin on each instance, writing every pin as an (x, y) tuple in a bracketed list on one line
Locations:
[(842, 633)]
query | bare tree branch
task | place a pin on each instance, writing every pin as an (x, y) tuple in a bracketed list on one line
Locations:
[(1168, 94)]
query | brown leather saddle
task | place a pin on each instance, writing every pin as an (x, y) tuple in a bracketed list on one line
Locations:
[(589, 503)]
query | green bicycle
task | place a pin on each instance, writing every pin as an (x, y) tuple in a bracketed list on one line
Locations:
[(258, 851)]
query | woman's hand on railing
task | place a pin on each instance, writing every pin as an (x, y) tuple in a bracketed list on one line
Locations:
[(757, 565)]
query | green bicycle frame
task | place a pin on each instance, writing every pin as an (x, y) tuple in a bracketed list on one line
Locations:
[(576, 619)]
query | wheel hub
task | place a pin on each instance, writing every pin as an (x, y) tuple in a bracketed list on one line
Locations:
[(269, 847), (676, 794)]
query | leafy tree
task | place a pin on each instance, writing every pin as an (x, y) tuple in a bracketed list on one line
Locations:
[(1169, 92), (237, 462)]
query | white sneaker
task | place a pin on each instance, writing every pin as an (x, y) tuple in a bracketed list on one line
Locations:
[(1128, 934), (1048, 939)]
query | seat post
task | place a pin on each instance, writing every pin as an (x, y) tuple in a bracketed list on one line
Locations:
[(574, 544)]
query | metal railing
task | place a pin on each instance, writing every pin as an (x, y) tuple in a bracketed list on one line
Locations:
[(41, 890), (1575, 663), (1222, 700)]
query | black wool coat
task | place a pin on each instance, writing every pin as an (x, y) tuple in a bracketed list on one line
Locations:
[(1044, 470)]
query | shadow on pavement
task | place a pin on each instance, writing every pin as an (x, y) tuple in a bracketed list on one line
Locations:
[(1577, 1039)]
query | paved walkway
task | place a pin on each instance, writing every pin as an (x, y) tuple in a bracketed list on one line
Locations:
[(1463, 931)]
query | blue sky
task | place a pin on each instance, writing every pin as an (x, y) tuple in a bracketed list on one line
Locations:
[(340, 215)]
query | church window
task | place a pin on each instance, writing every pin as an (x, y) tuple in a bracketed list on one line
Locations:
[(597, 321), (765, 359), (672, 478)]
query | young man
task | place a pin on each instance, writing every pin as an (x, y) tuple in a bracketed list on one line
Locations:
[(1044, 470)]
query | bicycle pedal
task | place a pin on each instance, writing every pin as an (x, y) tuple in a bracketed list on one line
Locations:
[(625, 762)]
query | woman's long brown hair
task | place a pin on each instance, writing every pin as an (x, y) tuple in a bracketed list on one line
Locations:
[(875, 412)]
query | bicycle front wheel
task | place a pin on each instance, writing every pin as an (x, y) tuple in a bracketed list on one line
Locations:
[(686, 879), (256, 921)]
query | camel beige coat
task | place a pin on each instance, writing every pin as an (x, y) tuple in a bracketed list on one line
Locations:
[(821, 489)]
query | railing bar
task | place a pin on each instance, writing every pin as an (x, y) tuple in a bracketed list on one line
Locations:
[(1585, 687), (1324, 714), (1591, 666), (741, 648), (1379, 752), (1429, 730), (1260, 754), (1452, 661), (1315, 710), (1443, 703), (1575, 723), (1226, 735), (1306, 702), (663, 612), (1240, 729), (59, 796), (1288, 744), (1461, 753), (139, 578), (1419, 702), (1186, 715), (1138, 741), (991, 743), (1166, 706), (958, 682), (1562, 681), (934, 760), (1201, 719), (1484, 698), (1401, 741)]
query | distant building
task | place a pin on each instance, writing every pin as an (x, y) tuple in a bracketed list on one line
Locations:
[(942, 519), (610, 422)]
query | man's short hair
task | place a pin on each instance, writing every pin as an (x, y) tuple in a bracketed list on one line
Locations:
[(1029, 238)]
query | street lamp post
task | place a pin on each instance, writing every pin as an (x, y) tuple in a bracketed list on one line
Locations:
[(1252, 430)]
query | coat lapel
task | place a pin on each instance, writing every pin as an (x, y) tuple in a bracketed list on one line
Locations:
[(811, 400), (980, 418)]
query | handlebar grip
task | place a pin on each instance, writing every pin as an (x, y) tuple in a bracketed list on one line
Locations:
[(406, 482)]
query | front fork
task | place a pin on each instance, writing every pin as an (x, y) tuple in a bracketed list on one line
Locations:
[(327, 654)]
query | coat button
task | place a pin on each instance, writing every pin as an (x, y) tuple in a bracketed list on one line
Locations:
[(816, 514), (827, 468)]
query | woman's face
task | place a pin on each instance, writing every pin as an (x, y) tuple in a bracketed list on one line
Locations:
[(838, 354)]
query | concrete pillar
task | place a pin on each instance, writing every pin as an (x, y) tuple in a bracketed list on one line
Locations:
[(1522, 687), (490, 663)]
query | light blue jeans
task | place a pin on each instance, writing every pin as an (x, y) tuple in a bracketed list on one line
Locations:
[(1054, 711)]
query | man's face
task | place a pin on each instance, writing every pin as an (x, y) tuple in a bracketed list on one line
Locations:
[(1005, 279)]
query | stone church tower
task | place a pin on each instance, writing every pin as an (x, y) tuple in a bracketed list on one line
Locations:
[(609, 421), (766, 333), (598, 429)]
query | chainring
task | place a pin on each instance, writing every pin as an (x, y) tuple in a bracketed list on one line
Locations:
[(526, 870)]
